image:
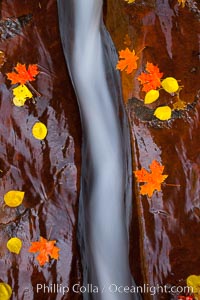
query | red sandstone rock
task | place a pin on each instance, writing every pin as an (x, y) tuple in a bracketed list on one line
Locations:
[(168, 223), (48, 171)]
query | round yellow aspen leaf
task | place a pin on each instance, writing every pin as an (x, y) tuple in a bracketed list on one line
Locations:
[(13, 198), (151, 96), (5, 291), (163, 113), (170, 85), (193, 281), (14, 245), (18, 102), (21, 93), (39, 131)]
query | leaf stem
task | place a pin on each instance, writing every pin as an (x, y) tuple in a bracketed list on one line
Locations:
[(141, 50), (171, 184), (35, 91), (49, 235)]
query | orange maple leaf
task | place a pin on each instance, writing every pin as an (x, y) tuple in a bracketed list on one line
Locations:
[(152, 179), (22, 75), (46, 249), (151, 78), (128, 61)]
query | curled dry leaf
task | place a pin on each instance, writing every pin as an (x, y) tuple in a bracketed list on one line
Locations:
[(128, 61), (2, 58), (46, 248), (179, 105), (152, 179)]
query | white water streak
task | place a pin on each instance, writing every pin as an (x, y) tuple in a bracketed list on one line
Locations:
[(102, 211)]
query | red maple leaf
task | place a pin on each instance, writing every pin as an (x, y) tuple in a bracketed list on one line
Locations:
[(46, 248), (185, 297), (22, 74), (128, 61), (151, 78), (152, 179)]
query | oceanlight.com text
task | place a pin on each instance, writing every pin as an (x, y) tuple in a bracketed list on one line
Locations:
[(148, 289), (113, 289)]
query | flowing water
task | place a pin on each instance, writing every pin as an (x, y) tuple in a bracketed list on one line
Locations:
[(164, 231), (105, 190)]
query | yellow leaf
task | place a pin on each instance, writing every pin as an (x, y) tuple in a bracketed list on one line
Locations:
[(182, 2), (13, 198), (151, 96), (14, 245), (5, 291), (130, 1), (163, 113), (193, 281), (21, 94), (170, 85), (39, 131)]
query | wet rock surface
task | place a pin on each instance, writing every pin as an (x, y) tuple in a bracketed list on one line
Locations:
[(164, 232), (47, 171), (168, 223)]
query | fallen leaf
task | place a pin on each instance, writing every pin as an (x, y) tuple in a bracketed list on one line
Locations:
[(152, 179), (13, 198), (170, 85), (5, 291), (182, 2), (21, 94), (46, 248), (127, 40), (151, 78), (180, 297), (179, 105), (163, 113), (22, 74), (193, 282), (151, 96), (2, 58), (128, 61), (39, 131), (14, 245), (130, 1)]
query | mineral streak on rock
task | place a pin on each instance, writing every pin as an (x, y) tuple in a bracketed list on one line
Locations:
[(13, 26)]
